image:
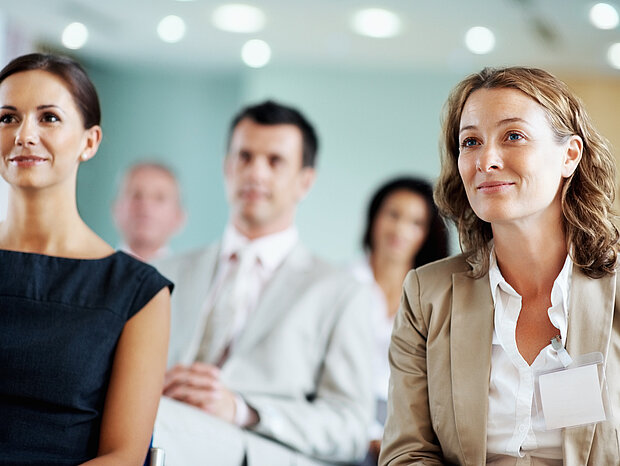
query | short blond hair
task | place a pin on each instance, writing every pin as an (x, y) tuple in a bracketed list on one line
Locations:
[(587, 195)]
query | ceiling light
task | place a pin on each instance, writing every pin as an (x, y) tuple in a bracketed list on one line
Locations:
[(171, 29), (376, 22), (604, 16), (74, 36), (256, 53), (480, 40), (236, 17), (613, 55)]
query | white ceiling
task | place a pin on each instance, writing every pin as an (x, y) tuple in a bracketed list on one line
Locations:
[(554, 34)]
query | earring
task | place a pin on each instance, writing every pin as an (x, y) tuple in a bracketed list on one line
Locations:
[(83, 157)]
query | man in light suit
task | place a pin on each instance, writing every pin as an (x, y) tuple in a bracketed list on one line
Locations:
[(281, 376)]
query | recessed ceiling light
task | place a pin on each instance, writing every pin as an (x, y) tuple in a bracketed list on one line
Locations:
[(613, 55), (74, 36), (236, 17), (256, 53), (480, 40), (604, 16), (376, 22), (171, 29)]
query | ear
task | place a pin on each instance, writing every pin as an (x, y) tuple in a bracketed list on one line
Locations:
[(572, 157), (307, 176), (93, 139), (180, 219)]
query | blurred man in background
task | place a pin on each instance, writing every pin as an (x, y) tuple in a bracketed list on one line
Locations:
[(147, 211)]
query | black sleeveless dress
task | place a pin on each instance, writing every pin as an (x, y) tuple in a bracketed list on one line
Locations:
[(60, 321)]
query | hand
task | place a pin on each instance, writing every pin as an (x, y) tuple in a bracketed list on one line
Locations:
[(200, 386), (374, 448)]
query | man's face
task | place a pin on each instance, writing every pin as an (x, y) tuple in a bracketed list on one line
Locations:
[(147, 211), (264, 176)]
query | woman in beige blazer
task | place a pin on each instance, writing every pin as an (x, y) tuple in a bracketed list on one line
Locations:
[(529, 183)]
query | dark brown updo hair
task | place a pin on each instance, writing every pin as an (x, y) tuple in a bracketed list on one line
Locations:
[(71, 72)]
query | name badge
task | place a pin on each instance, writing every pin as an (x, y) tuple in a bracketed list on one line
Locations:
[(574, 395)]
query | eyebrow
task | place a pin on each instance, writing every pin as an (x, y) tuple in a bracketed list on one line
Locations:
[(40, 107), (499, 123)]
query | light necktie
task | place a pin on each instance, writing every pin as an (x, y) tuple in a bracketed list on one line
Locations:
[(227, 316)]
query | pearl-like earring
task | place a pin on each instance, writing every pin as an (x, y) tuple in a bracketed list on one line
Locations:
[(83, 157)]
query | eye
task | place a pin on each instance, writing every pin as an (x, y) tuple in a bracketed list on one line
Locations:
[(469, 142), (275, 160), (7, 118), (244, 156), (514, 136), (49, 117)]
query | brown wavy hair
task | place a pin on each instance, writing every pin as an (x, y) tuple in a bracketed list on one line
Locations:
[(587, 195)]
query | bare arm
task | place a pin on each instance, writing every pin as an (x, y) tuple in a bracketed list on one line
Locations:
[(135, 385)]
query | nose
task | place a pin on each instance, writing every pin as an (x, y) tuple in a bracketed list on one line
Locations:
[(489, 159), (26, 134), (257, 168)]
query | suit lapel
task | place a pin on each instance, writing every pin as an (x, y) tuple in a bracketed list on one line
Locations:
[(199, 275), (590, 319), (470, 354), (278, 297)]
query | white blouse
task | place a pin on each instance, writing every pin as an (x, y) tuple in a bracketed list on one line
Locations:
[(515, 434)]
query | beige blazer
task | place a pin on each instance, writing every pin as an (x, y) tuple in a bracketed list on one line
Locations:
[(440, 358), (302, 360)]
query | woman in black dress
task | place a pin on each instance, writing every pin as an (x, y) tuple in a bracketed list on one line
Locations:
[(83, 329)]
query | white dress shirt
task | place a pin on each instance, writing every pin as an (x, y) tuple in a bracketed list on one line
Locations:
[(515, 433), (270, 252), (382, 325)]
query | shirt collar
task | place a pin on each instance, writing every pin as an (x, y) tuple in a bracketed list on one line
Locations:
[(270, 249)]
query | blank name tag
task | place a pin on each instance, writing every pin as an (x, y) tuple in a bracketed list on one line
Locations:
[(571, 397)]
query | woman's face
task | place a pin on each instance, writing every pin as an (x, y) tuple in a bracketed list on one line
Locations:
[(42, 135), (401, 226), (511, 165)]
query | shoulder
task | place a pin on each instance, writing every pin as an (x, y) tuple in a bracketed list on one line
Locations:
[(177, 263), (443, 269), (436, 278), (316, 283)]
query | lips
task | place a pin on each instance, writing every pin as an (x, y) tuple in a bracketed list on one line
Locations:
[(26, 159), (494, 185)]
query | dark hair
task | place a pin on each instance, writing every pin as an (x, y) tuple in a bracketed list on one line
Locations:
[(273, 113), (71, 72), (435, 245)]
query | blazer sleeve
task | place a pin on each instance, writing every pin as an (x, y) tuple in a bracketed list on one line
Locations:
[(409, 437), (333, 424)]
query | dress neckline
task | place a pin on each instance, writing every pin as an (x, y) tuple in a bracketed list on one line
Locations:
[(47, 256)]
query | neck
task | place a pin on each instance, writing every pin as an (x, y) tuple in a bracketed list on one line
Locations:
[(146, 252), (533, 265), (389, 275), (254, 231), (39, 222)]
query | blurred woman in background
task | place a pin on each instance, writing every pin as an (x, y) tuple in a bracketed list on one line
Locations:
[(403, 231)]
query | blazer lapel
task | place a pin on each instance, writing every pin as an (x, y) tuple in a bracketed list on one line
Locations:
[(590, 320), (470, 354), (278, 297)]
